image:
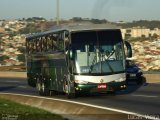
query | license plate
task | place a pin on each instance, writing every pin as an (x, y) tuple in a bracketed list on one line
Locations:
[(101, 86), (133, 75)]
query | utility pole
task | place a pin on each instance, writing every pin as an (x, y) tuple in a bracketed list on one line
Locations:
[(0, 42), (58, 12)]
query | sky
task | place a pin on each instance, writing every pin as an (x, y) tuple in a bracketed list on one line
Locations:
[(112, 10)]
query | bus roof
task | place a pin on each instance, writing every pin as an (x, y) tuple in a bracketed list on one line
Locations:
[(74, 28), (83, 27)]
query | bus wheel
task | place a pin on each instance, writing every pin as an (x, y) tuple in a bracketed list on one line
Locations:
[(45, 92), (53, 93), (41, 88), (38, 86), (67, 90)]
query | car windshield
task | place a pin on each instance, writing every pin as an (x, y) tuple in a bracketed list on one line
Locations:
[(98, 52)]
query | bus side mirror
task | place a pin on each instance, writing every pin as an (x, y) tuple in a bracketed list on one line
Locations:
[(71, 55), (129, 49), (71, 52)]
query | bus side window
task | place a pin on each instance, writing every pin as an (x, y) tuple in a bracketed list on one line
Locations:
[(38, 45), (60, 41), (49, 45), (60, 44), (43, 44), (66, 40), (53, 42)]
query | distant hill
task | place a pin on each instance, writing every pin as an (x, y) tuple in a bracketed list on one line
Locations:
[(142, 23)]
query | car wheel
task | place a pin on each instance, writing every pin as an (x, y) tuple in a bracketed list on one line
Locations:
[(139, 81)]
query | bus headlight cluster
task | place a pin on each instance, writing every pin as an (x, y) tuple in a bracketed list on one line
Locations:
[(120, 80), (123, 86), (81, 82)]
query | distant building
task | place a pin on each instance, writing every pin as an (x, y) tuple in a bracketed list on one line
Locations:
[(139, 32), (2, 30), (1, 23), (155, 31)]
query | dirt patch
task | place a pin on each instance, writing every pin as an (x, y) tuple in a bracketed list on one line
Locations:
[(152, 78), (13, 74)]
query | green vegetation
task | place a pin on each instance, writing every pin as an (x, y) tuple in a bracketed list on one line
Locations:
[(30, 28), (22, 49), (3, 57), (21, 58), (9, 109), (35, 25), (95, 21)]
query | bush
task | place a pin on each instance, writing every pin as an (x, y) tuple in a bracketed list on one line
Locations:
[(21, 57), (3, 57), (22, 49)]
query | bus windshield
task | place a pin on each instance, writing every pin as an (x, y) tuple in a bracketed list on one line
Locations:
[(98, 52)]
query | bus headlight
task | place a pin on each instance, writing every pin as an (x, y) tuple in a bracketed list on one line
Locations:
[(81, 82)]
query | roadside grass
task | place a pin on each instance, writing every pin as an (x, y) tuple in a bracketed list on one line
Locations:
[(10, 110)]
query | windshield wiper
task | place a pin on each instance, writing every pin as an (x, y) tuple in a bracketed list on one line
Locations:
[(110, 55), (106, 59)]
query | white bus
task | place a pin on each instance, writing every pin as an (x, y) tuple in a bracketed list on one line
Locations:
[(77, 59)]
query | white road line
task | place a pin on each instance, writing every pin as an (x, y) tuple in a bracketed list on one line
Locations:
[(148, 96), (90, 105), (12, 81)]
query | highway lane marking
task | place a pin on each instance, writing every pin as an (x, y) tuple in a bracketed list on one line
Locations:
[(21, 86), (89, 105), (12, 81), (148, 96)]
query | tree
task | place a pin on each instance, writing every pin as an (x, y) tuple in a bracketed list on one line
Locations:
[(22, 49), (77, 19), (21, 57), (155, 36)]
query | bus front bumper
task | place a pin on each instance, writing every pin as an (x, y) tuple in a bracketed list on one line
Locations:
[(96, 88)]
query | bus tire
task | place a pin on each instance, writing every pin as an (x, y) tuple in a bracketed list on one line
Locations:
[(67, 90), (53, 93), (41, 88), (71, 96), (38, 86)]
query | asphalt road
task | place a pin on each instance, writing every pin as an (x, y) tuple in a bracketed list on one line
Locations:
[(144, 99)]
